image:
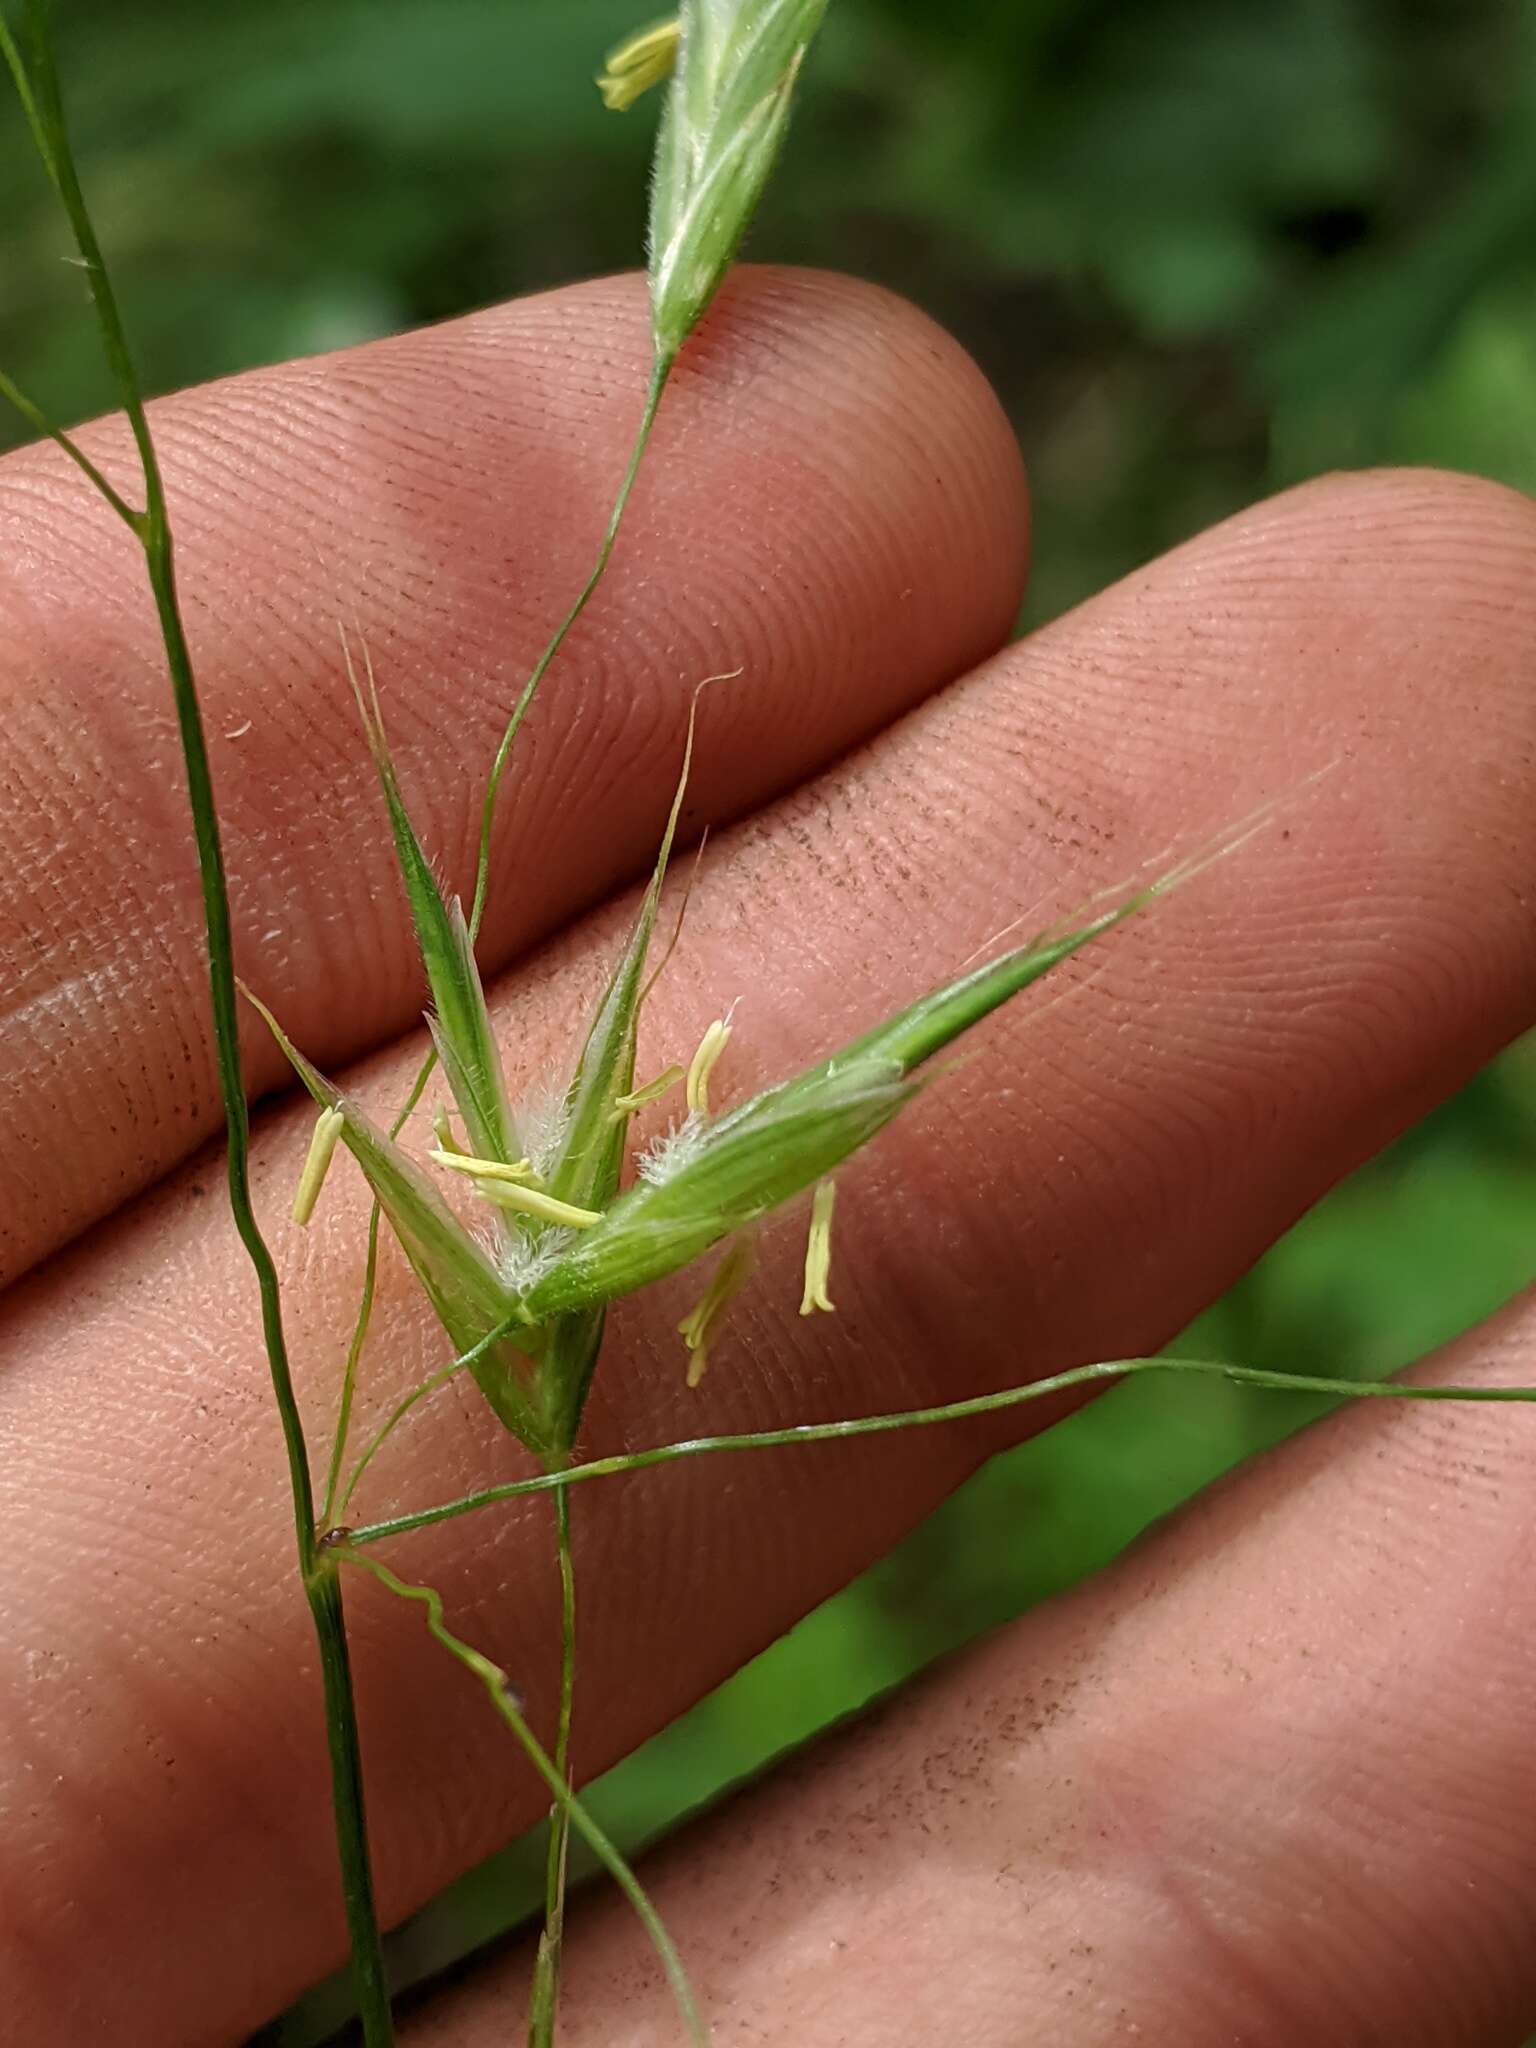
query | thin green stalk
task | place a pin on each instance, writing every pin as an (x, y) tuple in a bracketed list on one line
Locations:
[(41, 139), (917, 1418), (320, 1585), (40, 423), (398, 1414), (328, 1509), (38, 85), (154, 531), (660, 372), (369, 1978), (494, 1679), (544, 2004), (321, 1589)]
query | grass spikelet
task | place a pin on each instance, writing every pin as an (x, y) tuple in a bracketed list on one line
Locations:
[(727, 111), (737, 1171)]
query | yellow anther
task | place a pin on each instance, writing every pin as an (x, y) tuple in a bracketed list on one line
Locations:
[(704, 1062), (534, 1202), (818, 1251), (641, 61), (626, 1105), (512, 1187), (322, 1149), (697, 1329), (521, 1173), (442, 1130)]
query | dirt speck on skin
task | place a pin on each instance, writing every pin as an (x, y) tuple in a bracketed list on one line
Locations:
[(1037, 1710)]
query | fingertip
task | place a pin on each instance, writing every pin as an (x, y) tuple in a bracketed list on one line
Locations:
[(881, 400)]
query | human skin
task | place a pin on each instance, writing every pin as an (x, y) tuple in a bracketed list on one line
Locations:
[(1231, 1791)]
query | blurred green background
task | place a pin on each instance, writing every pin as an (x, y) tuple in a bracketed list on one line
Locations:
[(1203, 247)]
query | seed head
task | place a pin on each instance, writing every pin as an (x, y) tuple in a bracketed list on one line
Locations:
[(736, 66)]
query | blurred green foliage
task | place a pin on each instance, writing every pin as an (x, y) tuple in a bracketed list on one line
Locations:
[(1203, 249)]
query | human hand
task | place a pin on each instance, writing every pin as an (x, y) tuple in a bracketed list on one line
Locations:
[(834, 504)]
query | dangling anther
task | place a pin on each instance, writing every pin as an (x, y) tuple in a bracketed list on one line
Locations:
[(704, 1062), (322, 1149), (726, 1282), (818, 1251)]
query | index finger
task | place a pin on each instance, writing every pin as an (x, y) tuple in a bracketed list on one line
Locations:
[(834, 505)]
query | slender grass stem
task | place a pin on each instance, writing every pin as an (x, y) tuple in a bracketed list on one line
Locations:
[(42, 141), (387, 1429), (40, 423), (494, 1679), (660, 372), (544, 2005), (38, 84), (918, 1418), (154, 532), (328, 1508), (369, 1978)]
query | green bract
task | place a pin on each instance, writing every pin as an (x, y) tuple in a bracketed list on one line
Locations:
[(727, 109), (461, 1030), (458, 1275)]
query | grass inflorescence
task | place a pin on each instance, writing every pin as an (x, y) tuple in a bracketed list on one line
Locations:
[(563, 1227)]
